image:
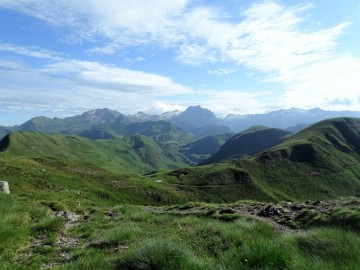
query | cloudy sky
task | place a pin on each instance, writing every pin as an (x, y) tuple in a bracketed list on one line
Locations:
[(64, 57)]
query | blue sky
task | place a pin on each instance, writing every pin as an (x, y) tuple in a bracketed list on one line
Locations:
[(60, 58)]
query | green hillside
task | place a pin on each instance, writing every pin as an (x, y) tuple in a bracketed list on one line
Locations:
[(155, 154), (248, 142), (321, 162), (201, 149), (136, 154), (100, 131), (75, 205), (161, 131), (65, 169)]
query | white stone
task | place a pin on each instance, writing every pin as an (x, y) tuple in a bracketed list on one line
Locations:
[(4, 187)]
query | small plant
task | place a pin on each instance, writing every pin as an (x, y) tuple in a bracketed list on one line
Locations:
[(160, 254), (54, 206), (123, 234), (334, 246), (49, 225)]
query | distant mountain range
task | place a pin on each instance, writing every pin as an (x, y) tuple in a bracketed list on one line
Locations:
[(284, 118), (176, 126)]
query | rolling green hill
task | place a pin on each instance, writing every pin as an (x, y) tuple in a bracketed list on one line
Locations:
[(100, 131), (137, 154), (161, 131), (321, 162), (248, 142)]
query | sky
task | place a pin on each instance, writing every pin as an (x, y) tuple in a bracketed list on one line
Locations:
[(61, 58)]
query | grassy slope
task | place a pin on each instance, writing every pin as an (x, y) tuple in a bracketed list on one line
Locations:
[(100, 131), (162, 131), (248, 142), (131, 154), (201, 149), (67, 169), (131, 237), (66, 183), (320, 162)]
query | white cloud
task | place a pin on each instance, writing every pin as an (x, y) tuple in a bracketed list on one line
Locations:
[(194, 55), (71, 86), (97, 75), (31, 51), (332, 84), (160, 107), (267, 37), (234, 102), (126, 22), (276, 40), (134, 60), (221, 71)]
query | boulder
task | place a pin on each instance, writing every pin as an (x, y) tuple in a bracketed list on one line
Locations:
[(4, 187)]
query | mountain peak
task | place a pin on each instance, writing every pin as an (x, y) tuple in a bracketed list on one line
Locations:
[(102, 112), (104, 115), (195, 117), (196, 108)]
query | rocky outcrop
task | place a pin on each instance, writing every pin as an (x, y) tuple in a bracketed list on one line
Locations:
[(228, 177), (4, 187)]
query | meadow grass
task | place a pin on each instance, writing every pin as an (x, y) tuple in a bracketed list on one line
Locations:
[(139, 237)]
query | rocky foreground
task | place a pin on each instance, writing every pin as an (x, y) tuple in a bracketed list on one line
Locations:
[(286, 216)]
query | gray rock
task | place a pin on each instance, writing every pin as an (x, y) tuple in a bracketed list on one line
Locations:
[(72, 217), (4, 187), (227, 211)]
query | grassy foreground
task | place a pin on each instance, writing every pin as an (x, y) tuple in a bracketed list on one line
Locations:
[(190, 236)]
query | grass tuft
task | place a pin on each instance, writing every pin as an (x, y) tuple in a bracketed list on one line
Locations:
[(159, 254)]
